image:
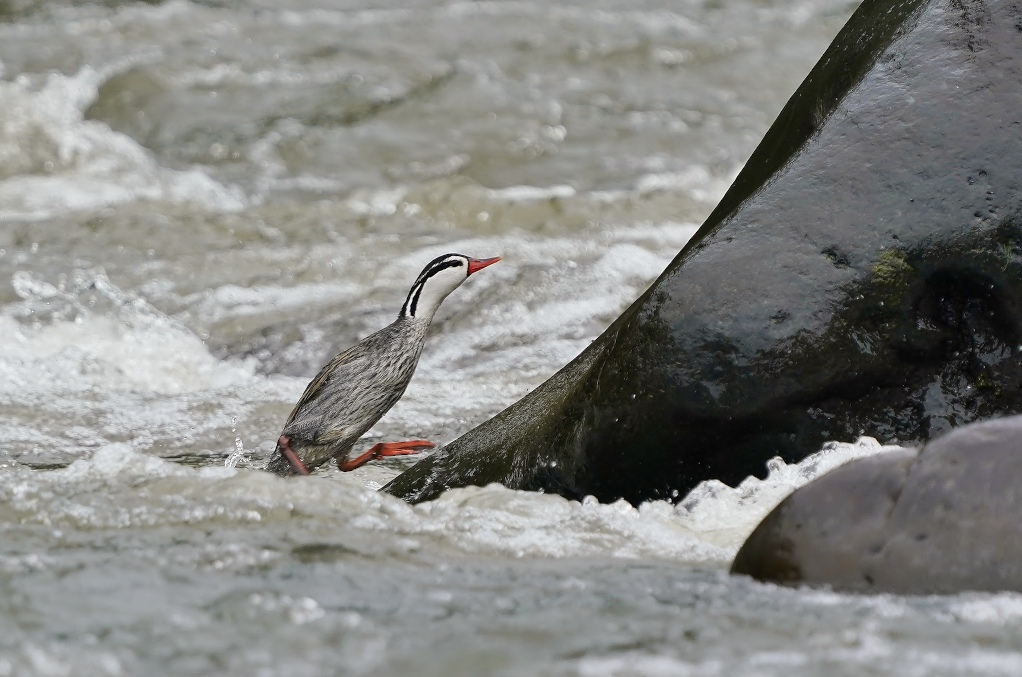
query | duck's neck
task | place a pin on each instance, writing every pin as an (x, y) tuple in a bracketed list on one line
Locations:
[(423, 301)]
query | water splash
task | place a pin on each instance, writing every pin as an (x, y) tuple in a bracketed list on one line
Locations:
[(238, 455)]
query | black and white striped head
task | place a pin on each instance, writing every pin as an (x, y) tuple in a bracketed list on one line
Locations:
[(439, 278)]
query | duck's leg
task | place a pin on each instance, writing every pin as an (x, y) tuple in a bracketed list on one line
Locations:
[(284, 445), (384, 449)]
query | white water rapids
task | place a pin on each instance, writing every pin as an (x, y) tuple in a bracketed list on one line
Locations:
[(201, 202)]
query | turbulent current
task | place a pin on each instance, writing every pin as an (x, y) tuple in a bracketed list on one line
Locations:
[(200, 203)]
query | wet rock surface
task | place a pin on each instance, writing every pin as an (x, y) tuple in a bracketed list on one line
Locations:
[(940, 520), (862, 276)]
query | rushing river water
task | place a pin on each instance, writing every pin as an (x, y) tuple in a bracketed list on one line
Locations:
[(201, 203)]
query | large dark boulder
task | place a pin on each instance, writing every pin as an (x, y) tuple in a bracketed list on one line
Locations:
[(861, 277), (941, 520)]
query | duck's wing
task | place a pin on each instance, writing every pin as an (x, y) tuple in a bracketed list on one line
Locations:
[(346, 358)]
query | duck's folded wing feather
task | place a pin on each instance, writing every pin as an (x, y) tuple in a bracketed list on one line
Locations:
[(345, 361)]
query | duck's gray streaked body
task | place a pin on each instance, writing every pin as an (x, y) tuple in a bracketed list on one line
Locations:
[(356, 388)]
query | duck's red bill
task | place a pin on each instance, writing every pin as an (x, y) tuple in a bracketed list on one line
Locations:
[(478, 264)]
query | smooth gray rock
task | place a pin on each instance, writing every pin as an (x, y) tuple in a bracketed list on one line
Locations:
[(941, 520), (863, 276)]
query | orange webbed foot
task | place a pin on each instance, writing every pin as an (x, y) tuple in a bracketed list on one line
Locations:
[(401, 448), (382, 450)]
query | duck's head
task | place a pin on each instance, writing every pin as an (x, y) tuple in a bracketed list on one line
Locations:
[(439, 278)]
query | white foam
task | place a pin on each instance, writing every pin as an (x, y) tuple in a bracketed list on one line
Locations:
[(119, 486), (726, 515), (530, 193), (57, 658), (998, 610), (495, 519), (865, 647), (134, 347), (375, 202), (648, 665), (696, 181), (53, 160), (118, 460), (250, 300)]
